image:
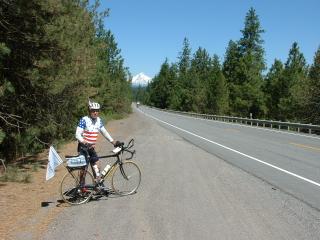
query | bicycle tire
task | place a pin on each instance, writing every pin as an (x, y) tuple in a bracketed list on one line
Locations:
[(72, 192), (126, 178)]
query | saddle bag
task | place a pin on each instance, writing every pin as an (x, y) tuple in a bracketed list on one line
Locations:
[(76, 161)]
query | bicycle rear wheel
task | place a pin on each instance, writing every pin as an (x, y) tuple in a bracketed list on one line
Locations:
[(126, 178), (72, 191)]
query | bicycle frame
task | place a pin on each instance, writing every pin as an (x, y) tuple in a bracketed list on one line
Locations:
[(119, 160)]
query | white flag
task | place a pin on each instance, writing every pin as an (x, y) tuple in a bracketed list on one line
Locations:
[(54, 162)]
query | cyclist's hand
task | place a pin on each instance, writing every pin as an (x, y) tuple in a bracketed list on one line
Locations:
[(117, 144)]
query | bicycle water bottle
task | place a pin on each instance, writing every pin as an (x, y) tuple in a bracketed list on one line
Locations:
[(105, 170)]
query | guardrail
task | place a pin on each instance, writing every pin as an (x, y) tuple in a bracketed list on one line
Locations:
[(298, 127)]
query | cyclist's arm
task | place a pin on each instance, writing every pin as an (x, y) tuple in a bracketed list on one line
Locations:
[(79, 137), (80, 130), (105, 133)]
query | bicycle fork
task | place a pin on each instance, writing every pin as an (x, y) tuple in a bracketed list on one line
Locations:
[(122, 172)]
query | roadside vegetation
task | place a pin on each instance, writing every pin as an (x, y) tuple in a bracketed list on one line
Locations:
[(239, 84), (54, 54)]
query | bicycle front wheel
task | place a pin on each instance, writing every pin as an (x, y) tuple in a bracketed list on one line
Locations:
[(126, 178), (76, 188)]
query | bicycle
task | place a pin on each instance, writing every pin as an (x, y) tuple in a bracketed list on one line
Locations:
[(78, 185)]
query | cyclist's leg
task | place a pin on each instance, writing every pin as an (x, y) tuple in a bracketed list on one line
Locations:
[(84, 152), (94, 161)]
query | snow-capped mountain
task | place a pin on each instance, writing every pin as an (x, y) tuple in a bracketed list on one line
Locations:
[(140, 79)]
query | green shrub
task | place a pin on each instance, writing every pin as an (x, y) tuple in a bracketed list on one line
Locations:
[(14, 174)]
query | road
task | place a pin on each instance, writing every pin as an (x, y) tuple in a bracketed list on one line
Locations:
[(188, 192), (287, 160)]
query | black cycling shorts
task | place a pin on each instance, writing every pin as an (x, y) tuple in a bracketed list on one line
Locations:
[(83, 150)]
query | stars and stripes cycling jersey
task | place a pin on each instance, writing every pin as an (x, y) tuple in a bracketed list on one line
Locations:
[(89, 128)]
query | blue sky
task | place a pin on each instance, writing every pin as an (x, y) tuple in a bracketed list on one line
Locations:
[(148, 32)]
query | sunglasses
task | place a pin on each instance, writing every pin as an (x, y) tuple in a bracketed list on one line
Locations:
[(94, 110)]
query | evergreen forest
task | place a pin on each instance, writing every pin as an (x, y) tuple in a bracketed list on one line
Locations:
[(241, 84), (54, 55)]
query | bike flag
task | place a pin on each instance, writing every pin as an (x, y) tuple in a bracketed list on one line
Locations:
[(54, 162)]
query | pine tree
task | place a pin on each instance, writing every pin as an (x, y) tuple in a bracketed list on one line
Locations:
[(199, 73), (253, 64), (183, 99), (243, 68), (295, 76), (274, 89), (161, 87), (217, 90), (230, 70), (231, 63), (312, 110), (110, 78), (184, 58), (251, 43)]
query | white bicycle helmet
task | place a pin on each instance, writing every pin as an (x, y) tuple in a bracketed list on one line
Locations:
[(93, 105)]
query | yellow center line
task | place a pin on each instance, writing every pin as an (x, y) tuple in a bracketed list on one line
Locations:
[(305, 146)]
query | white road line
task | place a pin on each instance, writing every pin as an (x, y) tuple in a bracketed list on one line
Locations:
[(230, 149)]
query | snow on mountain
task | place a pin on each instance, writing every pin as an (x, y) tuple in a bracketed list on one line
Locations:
[(141, 79)]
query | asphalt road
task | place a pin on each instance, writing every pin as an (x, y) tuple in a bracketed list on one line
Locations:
[(188, 192), (287, 160)]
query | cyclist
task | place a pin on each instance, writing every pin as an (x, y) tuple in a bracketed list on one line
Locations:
[(87, 134)]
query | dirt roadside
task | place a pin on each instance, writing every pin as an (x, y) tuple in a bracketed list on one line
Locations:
[(28, 208)]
